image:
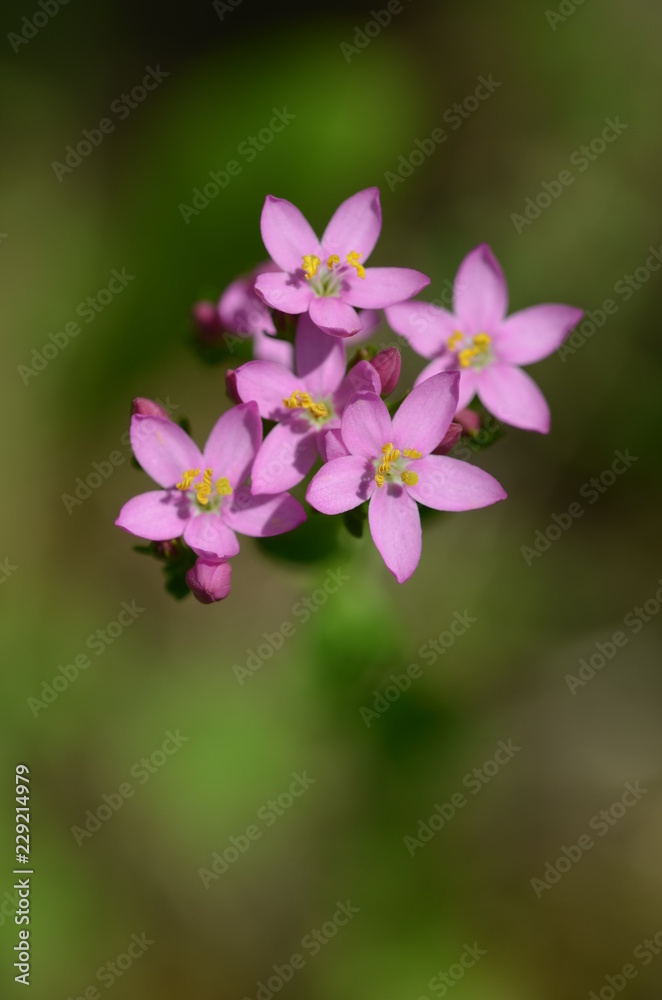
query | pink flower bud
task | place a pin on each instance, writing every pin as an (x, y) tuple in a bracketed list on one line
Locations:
[(147, 408), (209, 581), (453, 435), (387, 364), (468, 420), (207, 321), (231, 385)]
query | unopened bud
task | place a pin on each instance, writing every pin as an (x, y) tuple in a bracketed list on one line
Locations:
[(209, 581), (231, 385), (207, 322), (453, 435), (142, 407), (387, 364), (469, 420)]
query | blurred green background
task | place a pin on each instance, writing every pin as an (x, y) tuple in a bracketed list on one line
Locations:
[(504, 679)]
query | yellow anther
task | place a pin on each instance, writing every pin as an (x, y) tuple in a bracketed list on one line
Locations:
[(310, 265), (409, 478), (187, 478), (353, 259), (412, 453), (380, 479), (223, 487), (482, 341), (333, 259), (204, 489), (466, 356), (456, 339), (304, 401)]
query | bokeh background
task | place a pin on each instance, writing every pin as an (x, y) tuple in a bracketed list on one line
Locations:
[(67, 572)]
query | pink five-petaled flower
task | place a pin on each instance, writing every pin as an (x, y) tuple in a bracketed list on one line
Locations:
[(203, 498), (305, 405), (485, 344), (390, 463), (328, 278)]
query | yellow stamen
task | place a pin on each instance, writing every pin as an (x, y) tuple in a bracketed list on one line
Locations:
[(412, 453), (223, 487), (204, 488), (304, 401), (455, 340), (482, 341), (390, 454), (380, 479), (187, 478), (466, 356), (333, 259), (353, 259), (310, 265), (409, 478)]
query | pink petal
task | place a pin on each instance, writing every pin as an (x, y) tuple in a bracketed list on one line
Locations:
[(355, 225), (371, 319), (331, 445), (163, 449), (240, 310), (366, 426), (383, 286), (426, 413), (361, 378), (448, 484), (535, 333), (320, 359), (289, 293), (234, 442), (334, 316), (468, 383), (281, 352), (513, 397), (210, 538), (268, 384), (286, 456), (395, 526), (262, 516), (158, 516), (480, 293), (426, 327), (341, 485), (287, 234)]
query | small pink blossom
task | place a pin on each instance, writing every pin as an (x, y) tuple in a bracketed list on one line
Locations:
[(243, 313), (203, 496), (328, 277), (209, 580), (390, 463), (486, 345)]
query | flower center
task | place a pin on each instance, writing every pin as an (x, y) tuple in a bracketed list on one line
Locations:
[(326, 279), (304, 401), (472, 352), (393, 467), (204, 490)]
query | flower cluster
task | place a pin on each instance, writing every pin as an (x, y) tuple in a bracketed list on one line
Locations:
[(307, 312)]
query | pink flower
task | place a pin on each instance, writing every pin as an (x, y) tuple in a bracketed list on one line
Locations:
[(328, 278), (209, 580), (242, 312), (203, 498), (306, 405), (486, 345), (390, 464)]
